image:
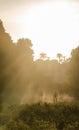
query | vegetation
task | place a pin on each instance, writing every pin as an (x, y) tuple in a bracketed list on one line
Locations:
[(44, 116), (53, 83)]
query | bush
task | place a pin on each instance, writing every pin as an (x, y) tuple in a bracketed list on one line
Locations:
[(17, 125)]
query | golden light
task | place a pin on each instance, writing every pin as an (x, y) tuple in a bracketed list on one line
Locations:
[(53, 27)]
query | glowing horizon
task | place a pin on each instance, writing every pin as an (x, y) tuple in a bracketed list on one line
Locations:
[(53, 27)]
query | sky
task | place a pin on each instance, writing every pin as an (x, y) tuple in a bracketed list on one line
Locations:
[(51, 25)]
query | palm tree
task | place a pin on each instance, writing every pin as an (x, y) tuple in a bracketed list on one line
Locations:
[(59, 56), (43, 56)]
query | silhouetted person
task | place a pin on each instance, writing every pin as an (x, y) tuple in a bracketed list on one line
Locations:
[(55, 96)]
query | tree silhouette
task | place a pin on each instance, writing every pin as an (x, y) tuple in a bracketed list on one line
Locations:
[(43, 56), (59, 56), (5, 58), (74, 72)]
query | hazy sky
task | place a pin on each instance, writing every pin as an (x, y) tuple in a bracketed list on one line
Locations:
[(52, 25)]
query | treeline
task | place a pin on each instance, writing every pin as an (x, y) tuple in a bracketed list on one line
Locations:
[(24, 80)]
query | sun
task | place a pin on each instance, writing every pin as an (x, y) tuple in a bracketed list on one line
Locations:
[(52, 26)]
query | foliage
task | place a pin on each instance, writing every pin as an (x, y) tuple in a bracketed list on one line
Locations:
[(74, 73), (15, 65), (13, 125), (48, 116)]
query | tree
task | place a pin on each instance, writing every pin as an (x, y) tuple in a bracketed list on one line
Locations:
[(59, 56), (43, 56), (24, 61), (5, 58), (16, 66), (74, 72)]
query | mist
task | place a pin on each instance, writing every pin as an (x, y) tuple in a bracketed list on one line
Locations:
[(25, 80)]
